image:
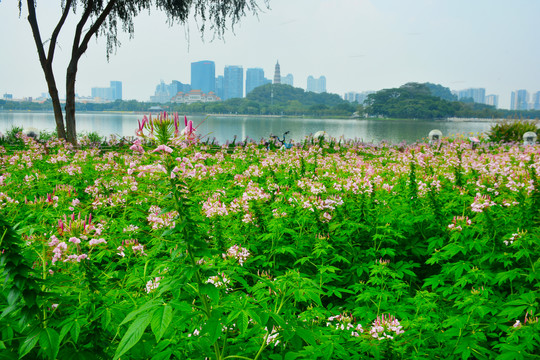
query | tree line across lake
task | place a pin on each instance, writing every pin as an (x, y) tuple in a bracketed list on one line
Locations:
[(410, 101)]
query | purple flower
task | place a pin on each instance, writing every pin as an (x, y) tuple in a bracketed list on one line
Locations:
[(163, 148)]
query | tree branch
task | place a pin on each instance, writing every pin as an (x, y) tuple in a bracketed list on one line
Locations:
[(35, 31), (94, 28), (56, 32), (80, 26)]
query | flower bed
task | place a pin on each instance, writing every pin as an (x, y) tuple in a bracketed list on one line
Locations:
[(173, 248)]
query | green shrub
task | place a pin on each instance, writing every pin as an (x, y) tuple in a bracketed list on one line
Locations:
[(511, 130)]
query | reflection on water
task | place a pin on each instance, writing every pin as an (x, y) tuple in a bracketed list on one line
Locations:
[(226, 128)]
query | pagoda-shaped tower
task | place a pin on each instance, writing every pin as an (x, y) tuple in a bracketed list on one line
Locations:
[(277, 75)]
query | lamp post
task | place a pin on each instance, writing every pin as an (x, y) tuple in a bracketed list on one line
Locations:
[(434, 136), (529, 138)]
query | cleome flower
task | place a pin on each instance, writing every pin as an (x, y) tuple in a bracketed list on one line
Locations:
[(385, 327), (237, 252), (345, 322)]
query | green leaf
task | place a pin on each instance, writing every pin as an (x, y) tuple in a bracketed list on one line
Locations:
[(49, 341), (513, 312), (75, 330), (212, 328), (211, 291), (306, 335), (133, 334), (243, 322), (136, 312), (29, 343), (13, 296), (161, 320), (164, 355)]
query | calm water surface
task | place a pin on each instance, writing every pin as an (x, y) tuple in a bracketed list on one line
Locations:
[(225, 128)]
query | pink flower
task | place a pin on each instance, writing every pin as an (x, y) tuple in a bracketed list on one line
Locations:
[(74, 240), (139, 131), (137, 146), (163, 148)]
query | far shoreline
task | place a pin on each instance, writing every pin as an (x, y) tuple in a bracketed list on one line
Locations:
[(270, 116)]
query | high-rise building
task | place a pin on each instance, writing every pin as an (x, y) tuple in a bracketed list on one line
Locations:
[(287, 80), (492, 100), (316, 85), (176, 86), (116, 89), (353, 96), (277, 74), (519, 100), (477, 94), (536, 101), (254, 78), (165, 92), (220, 90), (112, 93), (233, 82), (203, 76)]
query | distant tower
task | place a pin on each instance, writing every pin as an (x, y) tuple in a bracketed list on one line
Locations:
[(277, 75)]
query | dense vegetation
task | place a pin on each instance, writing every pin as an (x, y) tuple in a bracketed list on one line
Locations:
[(410, 101), (167, 248), (429, 101)]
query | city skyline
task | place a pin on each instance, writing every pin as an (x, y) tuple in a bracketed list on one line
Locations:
[(363, 45)]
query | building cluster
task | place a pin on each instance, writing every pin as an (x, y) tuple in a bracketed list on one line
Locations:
[(111, 93), (521, 100), (207, 87), (358, 97)]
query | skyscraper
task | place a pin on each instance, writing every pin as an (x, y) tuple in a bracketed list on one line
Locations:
[(477, 94), (277, 75), (288, 80), (116, 87), (519, 100), (492, 100), (254, 78), (536, 101), (316, 85), (233, 82), (112, 93), (203, 76), (220, 90)]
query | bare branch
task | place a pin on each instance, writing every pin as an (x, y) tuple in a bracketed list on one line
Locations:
[(56, 31), (94, 29), (80, 25)]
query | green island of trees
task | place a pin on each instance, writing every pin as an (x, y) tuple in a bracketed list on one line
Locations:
[(410, 101)]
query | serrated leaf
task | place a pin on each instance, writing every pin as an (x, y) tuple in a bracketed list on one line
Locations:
[(49, 341), (306, 335), (513, 312), (65, 329), (133, 334), (161, 320), (242, 322), (212, 328), (29, 343), (75, 331), (136, 312), (13, 296), (211, 291), (164, 355)]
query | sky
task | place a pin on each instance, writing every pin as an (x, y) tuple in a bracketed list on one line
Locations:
[(358, 45)]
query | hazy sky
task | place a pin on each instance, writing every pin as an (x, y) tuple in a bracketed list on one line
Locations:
[(358, 45)]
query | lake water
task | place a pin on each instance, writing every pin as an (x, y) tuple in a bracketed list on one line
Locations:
[(225, 128)]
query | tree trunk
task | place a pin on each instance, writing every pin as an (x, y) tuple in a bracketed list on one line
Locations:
[(57, 107), (46, 61), (71, 74)]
